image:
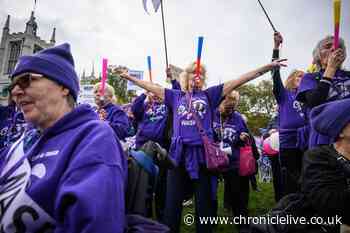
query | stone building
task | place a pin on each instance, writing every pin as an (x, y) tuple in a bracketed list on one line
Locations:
[(14, 45)]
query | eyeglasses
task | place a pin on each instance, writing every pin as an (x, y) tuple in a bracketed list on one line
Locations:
[(24, 80)]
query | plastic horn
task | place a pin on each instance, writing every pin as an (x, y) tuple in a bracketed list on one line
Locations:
[(336, 5), (149, 68), (198, 62), (104, 77)]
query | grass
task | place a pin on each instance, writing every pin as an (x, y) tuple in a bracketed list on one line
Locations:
[(259, 203)]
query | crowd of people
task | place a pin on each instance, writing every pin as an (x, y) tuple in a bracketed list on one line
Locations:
[(68, 167)]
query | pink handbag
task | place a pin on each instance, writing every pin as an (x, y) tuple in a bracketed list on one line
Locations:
[(247, 162), (216, 160)]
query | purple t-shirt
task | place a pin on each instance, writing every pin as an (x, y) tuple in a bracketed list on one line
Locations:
[(186, 146), (203, 103), (291, 117), (339, 89), (231, 129)]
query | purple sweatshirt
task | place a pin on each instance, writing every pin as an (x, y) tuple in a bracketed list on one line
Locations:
[(118, 120), (71, 180), (339, 89), (187, 146), (151, 121)]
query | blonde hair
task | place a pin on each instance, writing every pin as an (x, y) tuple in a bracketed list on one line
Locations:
[(289, 83), (185, 75), (109, 89)]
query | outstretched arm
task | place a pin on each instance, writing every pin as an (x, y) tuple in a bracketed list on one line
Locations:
[(235, 83), (149, 86)]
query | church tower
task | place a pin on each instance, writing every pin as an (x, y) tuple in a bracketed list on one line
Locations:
[(14, 45)]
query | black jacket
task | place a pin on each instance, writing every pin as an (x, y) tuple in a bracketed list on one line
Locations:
[(325, 183)]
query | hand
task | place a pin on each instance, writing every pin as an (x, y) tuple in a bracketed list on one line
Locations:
[(336, 59), (125, 75), (277, 39), (169, 75), (278, 63), (244, 136)]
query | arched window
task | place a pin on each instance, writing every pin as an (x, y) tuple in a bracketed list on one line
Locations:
[(15, 50)]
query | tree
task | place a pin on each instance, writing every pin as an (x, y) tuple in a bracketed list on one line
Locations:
[(258, 104)]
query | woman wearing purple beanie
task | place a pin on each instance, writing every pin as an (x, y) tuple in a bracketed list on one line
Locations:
[(66, 174)]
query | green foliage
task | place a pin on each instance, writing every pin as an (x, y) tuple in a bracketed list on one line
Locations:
[(258, 104), (120, 87)]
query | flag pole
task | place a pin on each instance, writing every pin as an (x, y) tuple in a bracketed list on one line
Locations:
[(164, 35), (34, 8), (267, 16)]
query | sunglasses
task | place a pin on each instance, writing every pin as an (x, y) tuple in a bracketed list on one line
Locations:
[(24, 80)]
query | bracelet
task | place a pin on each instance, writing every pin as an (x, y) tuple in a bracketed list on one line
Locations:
[(326, 80)]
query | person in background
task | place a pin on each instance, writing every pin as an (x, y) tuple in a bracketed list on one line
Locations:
[(68, 173), (291, 121), (326, 168), (110, 112), (274, 159), (187, 147), (330, 83), (232, 133)]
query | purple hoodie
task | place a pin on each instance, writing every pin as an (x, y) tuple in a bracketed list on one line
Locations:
[(72, 179), (151, 120), (339, 89), (118, 120)]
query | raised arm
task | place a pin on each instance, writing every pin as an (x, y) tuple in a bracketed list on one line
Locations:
[(278, 88), (149, 86), (235, 83)]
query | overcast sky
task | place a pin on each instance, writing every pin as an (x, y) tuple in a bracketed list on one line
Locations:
[(237, 36)]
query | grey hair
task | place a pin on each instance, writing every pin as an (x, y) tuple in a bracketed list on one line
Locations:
[(316, 53)]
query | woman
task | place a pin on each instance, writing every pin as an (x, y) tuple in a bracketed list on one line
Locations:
[(291, 121), (186, 147), (68, 173), (110, 112), (232, 134), (330, 83)]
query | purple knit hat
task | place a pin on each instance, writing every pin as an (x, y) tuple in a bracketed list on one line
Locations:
[(331, 118), (56, 63)]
